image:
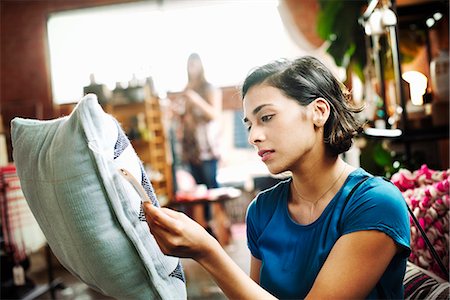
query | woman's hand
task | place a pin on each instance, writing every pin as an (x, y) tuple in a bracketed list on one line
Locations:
[(193, 97), (177, 234), (211, 105)]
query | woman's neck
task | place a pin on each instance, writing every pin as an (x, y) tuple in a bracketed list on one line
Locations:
[(196, 83), (316, 181)]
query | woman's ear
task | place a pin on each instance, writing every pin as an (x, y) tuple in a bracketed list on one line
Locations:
[(321, 111)]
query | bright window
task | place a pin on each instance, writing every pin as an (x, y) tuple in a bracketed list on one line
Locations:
[(150, 39)]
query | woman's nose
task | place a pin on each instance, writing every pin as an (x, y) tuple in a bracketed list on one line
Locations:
[(255, 135)]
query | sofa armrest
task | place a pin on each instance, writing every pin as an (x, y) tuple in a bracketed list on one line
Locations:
[(422, 284)]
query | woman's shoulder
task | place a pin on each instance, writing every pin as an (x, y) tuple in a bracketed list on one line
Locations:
[(208, 89), (275, 191), (377, 204), (377, 188), (208, 86), (268, 197), (370, 180), (264, 205)]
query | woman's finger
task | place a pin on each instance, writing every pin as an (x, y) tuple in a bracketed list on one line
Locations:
[(170, 212), (161, 217)]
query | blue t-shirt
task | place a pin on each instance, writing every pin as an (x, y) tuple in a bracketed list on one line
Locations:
[(293, 254)]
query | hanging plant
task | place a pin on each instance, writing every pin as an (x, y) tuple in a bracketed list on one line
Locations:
[(338, 25)]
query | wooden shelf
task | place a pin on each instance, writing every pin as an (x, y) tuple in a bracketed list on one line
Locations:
[(153, 151), (425, 134)]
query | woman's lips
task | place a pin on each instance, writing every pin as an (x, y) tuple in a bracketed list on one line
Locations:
[(265, 154)]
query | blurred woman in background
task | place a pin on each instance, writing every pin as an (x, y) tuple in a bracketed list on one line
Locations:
[(201, 107)]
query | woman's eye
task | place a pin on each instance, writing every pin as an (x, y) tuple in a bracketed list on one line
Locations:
[(266, 118)]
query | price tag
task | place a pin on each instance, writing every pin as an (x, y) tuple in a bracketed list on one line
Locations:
[(18, 275)]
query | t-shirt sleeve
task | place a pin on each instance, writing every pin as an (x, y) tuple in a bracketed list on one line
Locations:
[(252, 231), (379, 205)]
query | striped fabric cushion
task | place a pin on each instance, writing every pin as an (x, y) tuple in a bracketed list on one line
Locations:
[(420, 284), (90, 215)]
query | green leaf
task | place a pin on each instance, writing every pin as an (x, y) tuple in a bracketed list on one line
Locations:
[(338, 24), (381, 156), (328, 15)]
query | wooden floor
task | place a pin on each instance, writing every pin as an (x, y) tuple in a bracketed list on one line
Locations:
[(199, 284)]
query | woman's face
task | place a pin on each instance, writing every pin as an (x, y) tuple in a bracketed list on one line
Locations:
[(281, 130), (194, 67)]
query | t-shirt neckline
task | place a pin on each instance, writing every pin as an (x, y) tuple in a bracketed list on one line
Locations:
[(329, 206)]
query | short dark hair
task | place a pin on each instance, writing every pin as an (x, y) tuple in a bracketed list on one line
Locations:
[(304, 80)]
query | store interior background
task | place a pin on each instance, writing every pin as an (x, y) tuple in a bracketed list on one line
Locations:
[(26, 91)]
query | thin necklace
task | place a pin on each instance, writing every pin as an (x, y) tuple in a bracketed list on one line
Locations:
[(315, 202)]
